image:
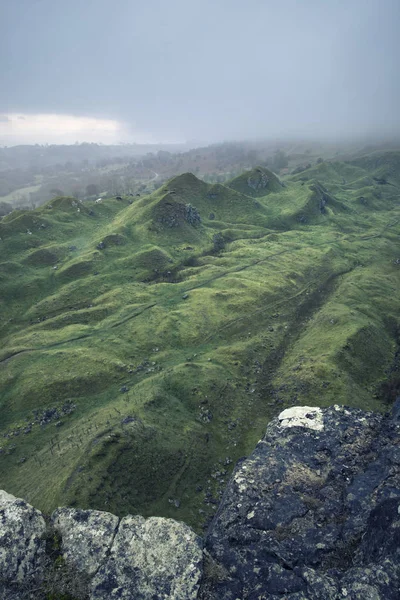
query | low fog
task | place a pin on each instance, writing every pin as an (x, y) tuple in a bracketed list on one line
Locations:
[(199, 71)]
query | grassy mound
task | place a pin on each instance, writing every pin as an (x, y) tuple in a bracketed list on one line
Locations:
[(257, 182)]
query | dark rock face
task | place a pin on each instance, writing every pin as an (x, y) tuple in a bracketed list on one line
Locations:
[(321, 196), (261, 181), (258, 181), (192, 215), (313, 513), (218, 242), (171, 213)]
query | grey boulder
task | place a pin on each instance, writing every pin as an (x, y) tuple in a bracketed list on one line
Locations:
[(153, 558), (22, 547)]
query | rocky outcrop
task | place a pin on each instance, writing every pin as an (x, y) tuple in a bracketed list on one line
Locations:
[(22, 546), (172, 213), (192, 215), (153, 558), (84, 554), (95, 531), (312, 514), (258, 180)]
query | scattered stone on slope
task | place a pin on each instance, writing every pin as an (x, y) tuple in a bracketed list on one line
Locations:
[(313, 513)]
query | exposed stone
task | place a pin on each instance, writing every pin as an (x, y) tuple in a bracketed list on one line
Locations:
[(153, 558), (87, 536), (302, 416), (218, 242), (258, 180), (192, 215), (22, 545), (313, 513)]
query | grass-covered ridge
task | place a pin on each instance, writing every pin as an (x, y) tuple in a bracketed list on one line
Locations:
[(147, 342)]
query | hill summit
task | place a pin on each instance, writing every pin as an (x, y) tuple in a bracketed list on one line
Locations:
[(257, 182)]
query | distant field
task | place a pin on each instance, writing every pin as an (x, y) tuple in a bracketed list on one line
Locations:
[(19, 194), (112, 168)]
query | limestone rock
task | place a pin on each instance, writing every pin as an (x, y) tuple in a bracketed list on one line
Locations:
[(87, 536), (258, 180), (22, 546), (302, 416), (153, 558)]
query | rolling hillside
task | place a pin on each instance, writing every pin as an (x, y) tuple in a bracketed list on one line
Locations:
[(146, 342)]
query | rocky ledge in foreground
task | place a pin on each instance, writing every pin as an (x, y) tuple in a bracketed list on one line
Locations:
[(313, 513)]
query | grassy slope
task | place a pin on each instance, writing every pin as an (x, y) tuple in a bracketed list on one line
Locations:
[(299, 307)]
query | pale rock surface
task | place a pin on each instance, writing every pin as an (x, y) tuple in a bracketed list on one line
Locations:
[(22, 547), (87, 536), (153, 558), (302, 416)]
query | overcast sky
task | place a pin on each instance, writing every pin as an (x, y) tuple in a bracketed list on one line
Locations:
[(206, 70)]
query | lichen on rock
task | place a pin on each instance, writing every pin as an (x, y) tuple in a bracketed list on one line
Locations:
[(22, 545), (313, 513), (87, 536), (153, 558)]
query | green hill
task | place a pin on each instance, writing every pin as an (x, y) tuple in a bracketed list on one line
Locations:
[(257, 182), (146, 343)]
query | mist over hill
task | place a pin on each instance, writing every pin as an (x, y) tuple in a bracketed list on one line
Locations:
[(32, 175)]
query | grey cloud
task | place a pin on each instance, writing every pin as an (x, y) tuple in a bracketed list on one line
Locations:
[(213, 70)]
